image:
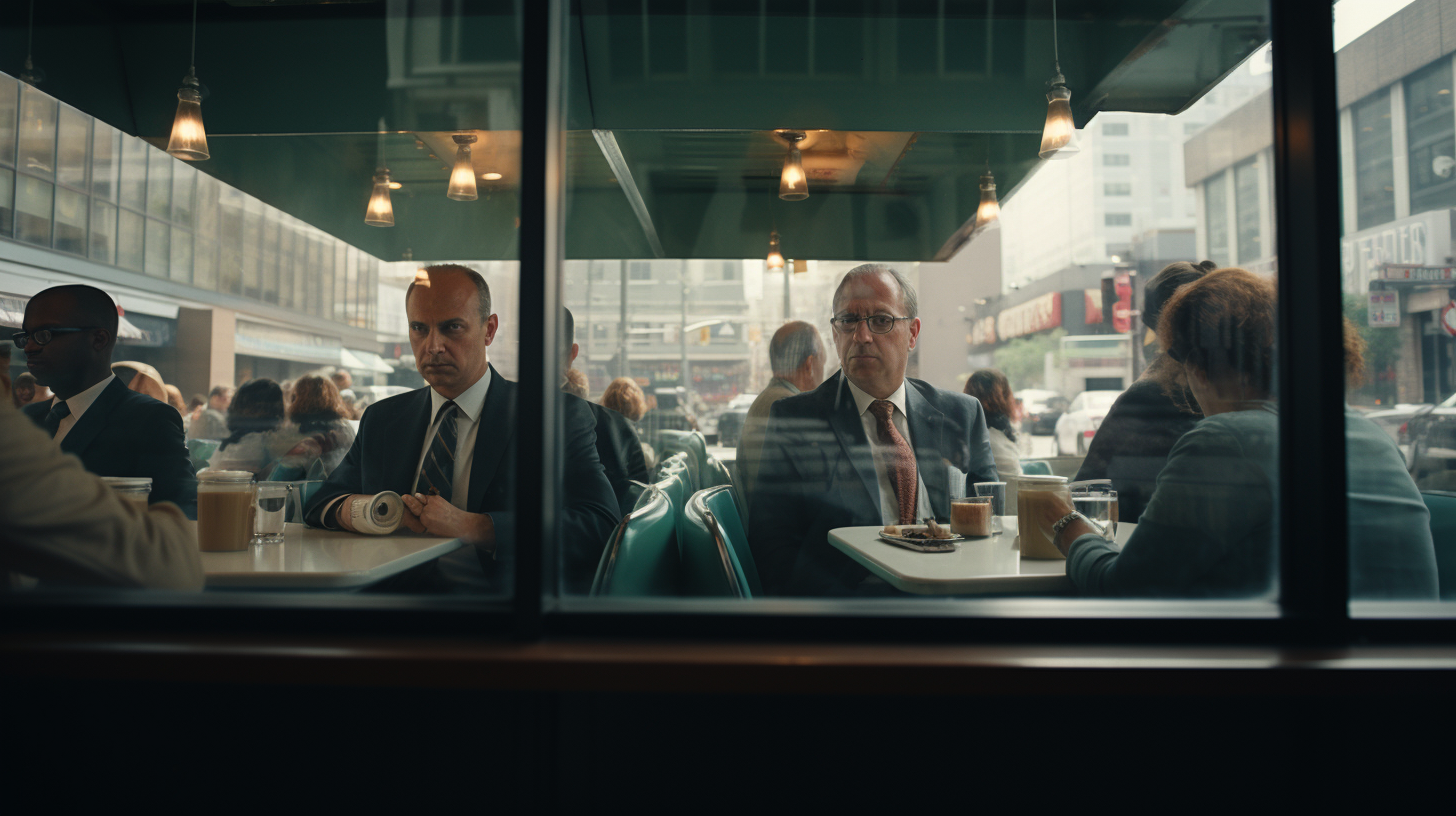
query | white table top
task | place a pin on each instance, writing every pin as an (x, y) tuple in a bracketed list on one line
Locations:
[(310, 559), (978, 565)]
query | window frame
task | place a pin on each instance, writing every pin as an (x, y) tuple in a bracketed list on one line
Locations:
[(1314, 604)]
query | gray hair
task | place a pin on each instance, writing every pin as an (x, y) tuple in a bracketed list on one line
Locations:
[(908, 301), (791, 346)]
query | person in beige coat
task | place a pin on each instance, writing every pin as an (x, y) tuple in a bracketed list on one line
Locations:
[(796, 354), (63, 526)]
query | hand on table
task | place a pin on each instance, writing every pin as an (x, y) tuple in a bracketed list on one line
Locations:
[(441, 518), (1053, 510)]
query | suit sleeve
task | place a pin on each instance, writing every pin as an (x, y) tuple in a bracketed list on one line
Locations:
[(775, 526), (164, 456), (588, 506), (63, 525)]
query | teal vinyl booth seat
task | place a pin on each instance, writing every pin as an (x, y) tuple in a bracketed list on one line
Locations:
[(642, 557), (200, 451), (668, 464), (693, 444), (1443, 532), (1036, 467), (713, 548)]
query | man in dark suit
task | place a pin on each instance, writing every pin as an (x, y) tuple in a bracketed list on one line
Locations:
[(868, 447), (617, 443), (449, 450), (69, 333)]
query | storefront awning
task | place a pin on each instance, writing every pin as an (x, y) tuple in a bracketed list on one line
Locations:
[(278, 343), (356, 360)]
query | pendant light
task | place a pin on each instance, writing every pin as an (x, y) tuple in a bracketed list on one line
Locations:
[(1059, 135), (793, 184), (189, 138), (988, 215), (775, 259), (380, 212), (32, 75), (462, 178)]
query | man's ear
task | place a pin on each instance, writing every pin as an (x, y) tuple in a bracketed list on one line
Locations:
[(575, 350)]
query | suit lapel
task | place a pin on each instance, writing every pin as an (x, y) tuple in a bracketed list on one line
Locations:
[(926, 423), (492, 437), (414, 420), (849, 431), (90, 424)]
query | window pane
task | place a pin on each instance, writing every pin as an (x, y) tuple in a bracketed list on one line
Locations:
[(204, 275), (1398, 154), (37, 133), (134, 173), (230, 253), (183, 178), (71, 210), (159, 248), (1215, 214), (9, 104), (252, 249), (181, 269), (1246, 187), (74, 146), (7, 201), (130, 239), (159, 184), (269, 257), (105, 161), (103, 232), (33, 202)]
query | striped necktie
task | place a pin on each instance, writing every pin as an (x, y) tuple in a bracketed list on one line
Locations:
[(437, 474), (58, 412)]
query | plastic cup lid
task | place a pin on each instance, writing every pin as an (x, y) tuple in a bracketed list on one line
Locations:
[(224, 476), (128, 481)]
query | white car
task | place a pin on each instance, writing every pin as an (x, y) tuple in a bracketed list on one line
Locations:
[(1079, 423)]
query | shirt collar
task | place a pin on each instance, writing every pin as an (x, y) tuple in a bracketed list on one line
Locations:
[(793, 389), (80, 402), (471, 403), (862, 400)]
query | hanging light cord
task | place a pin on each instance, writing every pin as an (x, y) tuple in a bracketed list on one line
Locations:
[(29, 31), (192, 61), (1056, 50)]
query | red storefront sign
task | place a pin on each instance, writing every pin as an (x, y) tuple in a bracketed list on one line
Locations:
[(1038, 314)]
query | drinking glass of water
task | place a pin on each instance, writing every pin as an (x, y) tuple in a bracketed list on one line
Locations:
[(1099, 505), (270, 501)]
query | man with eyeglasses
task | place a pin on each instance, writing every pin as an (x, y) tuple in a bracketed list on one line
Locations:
[(868, 447), (69, 334)]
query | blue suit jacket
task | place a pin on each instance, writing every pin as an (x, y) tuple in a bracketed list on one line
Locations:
[(818, 473), (125, 433), (386, 455)]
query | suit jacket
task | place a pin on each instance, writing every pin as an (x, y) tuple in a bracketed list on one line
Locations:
[(620, 451), (125, 433), (755, 425), (386, 454), (818, 473), (63, 526)]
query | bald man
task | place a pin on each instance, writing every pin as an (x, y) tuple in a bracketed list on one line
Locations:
[(796, 354), (69, 334)]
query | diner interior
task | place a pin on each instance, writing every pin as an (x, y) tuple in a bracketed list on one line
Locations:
[(652, 190)]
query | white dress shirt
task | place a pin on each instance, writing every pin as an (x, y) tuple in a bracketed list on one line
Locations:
[(467, 426), (884, 453), (78, 405)]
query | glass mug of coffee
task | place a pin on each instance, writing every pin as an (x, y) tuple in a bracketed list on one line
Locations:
[(224, 510), (136, 490), (970, 516), (1033, 493)]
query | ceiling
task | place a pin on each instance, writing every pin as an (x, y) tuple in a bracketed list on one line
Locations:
[(670, 112)]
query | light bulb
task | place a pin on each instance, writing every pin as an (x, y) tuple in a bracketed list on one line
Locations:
[(189, 138), (380, 212), (1059, 136), (775, 259), (491, 176), (793, 186), (462, 178), (988, 215)]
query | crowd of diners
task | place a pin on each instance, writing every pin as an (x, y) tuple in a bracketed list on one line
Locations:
[(1192, 447)]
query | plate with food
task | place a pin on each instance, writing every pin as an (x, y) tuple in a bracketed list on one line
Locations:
[(928, 537)]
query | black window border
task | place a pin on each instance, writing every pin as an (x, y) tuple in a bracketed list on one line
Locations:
[(1313, 577)]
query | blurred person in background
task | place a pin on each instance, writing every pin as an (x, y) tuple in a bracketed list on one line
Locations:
[(617, 444), (318, 413), (796, 355), (1210, 528), (1131, 445), (211, 423), (69, 335), (993, 390), (625, 396), (257, 436), (23, 391)]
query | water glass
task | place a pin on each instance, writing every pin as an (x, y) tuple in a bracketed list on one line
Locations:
[(1100, 506), (298, 497), (997, 493), (270, 503)]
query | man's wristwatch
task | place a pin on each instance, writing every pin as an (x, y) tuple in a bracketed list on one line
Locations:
[(1063, 522)]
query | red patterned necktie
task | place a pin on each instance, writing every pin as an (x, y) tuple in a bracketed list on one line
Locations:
[(902, 460)]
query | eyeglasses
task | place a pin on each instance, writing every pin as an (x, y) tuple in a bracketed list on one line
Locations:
[(879, 323), (43, 336)]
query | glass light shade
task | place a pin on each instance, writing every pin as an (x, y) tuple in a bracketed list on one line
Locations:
[(462, 178), (988, 215), (380, 212), (775, 259), (1059, 136), (793, 184), (189, 138)]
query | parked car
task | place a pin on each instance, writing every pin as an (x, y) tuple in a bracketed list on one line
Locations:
[(367, 395), (1040, 410), (1076, 427), (730, 422), (1428, 439)]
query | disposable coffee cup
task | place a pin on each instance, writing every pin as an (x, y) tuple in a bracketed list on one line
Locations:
[(135, 490)]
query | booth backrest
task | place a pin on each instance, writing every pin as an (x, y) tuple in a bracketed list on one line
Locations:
[(642, 557)]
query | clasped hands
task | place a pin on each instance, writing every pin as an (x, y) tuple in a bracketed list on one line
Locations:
[(435, 516)]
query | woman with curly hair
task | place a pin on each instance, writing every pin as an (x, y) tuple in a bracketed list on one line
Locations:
[(257, 433), (318, 411), (1210, 528)]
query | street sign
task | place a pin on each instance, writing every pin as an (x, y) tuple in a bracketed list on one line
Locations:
[(1384, 309), (1448, 318)]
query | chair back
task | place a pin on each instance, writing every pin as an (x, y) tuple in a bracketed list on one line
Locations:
[(716, 473), (694, 445), (642, 557), (200, 451), (669, 464), (1443, 532), (713, 548), (1036, 467)]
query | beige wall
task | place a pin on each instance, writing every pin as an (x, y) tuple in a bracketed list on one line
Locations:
[(205, 343)]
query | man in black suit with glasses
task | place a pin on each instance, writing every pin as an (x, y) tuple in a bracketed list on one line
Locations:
[(69, 334)]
